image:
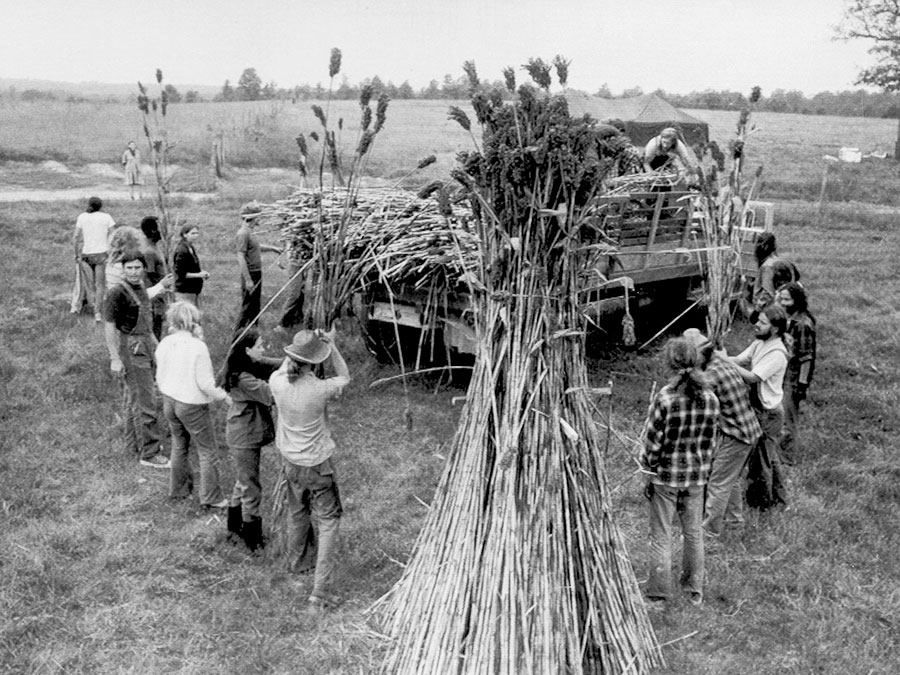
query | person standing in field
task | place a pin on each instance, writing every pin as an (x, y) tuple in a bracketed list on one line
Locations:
[(738, 432), (248, 427), (249, 257), (184, 374), (155, 260), (131, 345), (131, 161), (189, 276), (773, 273), (801, 341), (762, 366), (679, 440), (304, 441), (91, 241)]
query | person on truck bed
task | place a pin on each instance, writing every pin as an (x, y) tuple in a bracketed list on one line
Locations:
[(667, 152), (615, 147)]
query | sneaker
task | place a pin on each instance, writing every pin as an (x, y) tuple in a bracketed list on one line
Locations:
[(97, 317), (157, 462), (218, 505), (322, 600), (696, 598)]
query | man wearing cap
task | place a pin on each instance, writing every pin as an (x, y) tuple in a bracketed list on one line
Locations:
[(304, 440), (738, 431), (249, 259), (131, 344)]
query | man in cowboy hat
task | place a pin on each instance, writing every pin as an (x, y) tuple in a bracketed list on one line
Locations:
[(305, 443)]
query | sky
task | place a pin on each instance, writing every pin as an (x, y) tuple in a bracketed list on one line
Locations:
[(678, 46)]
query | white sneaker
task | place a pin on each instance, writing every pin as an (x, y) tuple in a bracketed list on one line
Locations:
[(157, 462)]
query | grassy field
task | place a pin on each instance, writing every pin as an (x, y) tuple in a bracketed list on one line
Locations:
[(101, 573), (261, 135)]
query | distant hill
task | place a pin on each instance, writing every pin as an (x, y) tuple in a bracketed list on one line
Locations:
[(100, 90)]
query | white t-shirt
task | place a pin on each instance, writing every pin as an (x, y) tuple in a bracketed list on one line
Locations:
[(768, 361), (94, 228)]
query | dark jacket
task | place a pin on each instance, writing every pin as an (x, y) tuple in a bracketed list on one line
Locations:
[(249, 423), (185, 260)]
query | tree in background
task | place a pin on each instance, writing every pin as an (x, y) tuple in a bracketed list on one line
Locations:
[(249, 86), (877, 21), (173, 95)]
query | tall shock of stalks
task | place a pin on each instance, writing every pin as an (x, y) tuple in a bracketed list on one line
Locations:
[(724, 212), (520, 567), (154, 111)]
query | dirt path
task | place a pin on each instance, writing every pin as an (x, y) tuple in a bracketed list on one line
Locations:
[(82, 194)]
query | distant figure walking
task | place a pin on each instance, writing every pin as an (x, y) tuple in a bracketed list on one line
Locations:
[(91, 241), (131, 160), (189, 277)]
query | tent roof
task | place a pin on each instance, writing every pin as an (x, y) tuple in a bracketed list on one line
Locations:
[(647, 108)]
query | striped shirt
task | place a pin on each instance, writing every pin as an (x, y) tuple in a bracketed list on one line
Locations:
[(680, 438), (736, 416)]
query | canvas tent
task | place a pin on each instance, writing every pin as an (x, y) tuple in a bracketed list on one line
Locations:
[(644, 116)]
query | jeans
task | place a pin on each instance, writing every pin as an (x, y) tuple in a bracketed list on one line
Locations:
[(140, 413), (251, 301), (247, 492), (765, 475), (313, 489), (192, 422), (791, 407), (724, 496), (664, 504), (96, 262)]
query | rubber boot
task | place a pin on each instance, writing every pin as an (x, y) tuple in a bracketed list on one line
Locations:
[(252, 534), (234, 522)]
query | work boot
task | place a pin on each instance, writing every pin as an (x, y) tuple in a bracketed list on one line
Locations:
[(234, 522), (252, 534)]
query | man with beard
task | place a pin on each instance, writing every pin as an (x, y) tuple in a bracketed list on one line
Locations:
[(762, 365), (131, 344)]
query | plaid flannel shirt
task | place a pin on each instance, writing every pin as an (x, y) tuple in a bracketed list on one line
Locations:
[(802, 331), (628, 161), (736, 416), (680, 437)]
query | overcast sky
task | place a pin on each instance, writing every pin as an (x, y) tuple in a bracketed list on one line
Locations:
[(679, 46)]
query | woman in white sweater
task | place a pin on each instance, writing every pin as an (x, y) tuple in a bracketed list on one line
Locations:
[(184, 374)]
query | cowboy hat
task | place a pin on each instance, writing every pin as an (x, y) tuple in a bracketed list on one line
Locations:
[(307, 347)]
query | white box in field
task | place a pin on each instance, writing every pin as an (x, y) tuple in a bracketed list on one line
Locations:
[(852, 155)]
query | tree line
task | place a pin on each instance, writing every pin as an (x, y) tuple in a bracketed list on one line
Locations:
[(250, 87)]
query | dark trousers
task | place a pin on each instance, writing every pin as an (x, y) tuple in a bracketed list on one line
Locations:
[(140, 408), (765, 474), (251, 301)]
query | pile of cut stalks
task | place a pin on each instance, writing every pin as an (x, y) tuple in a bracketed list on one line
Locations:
[(520, 567), (391, 234)]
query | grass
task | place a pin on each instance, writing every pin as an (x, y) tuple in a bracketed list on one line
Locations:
[(261, 135), (102, 574)]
